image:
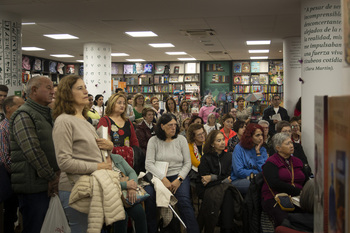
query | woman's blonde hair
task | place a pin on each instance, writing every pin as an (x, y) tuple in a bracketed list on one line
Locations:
[(134, 101), (111, 105), (64, 97)]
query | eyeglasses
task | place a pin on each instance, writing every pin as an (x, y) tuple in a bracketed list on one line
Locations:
[(295, 126)]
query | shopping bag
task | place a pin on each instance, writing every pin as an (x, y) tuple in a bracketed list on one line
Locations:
[(55, 219)]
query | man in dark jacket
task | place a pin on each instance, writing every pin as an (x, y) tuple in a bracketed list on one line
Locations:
[(35, 172), (272, 112)]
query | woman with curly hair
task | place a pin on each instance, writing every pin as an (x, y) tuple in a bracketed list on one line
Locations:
[(248, 157)]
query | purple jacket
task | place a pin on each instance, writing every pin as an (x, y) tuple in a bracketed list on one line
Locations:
[(282, 180)]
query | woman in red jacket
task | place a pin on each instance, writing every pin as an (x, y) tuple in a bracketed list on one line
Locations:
[(145, 130), (120, 129)]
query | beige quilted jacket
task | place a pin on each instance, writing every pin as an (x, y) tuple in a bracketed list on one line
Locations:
[(99, 196)]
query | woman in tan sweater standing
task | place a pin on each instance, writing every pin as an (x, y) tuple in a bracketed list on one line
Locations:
[(76, 149)]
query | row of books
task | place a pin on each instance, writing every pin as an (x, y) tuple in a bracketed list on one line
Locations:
[(253, 79), (257, 67), (214, 67), (180, 78), (266, 96), (191, 87), (257, 88), (216, 78), (137, 89)]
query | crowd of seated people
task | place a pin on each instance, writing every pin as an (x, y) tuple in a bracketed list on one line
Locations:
[(216, 159)]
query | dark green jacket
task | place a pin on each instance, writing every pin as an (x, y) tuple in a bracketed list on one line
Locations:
[(24, 177)]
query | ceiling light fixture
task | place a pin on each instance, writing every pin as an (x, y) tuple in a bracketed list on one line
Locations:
[(119, 54), (61, 55), (258, 42), (176, 53), (258, 58), (32, 49), (187, 59), (29, 23), (259, 51), (61, 36), (80, 60), (135, 60), (161, 45), (142, 34)]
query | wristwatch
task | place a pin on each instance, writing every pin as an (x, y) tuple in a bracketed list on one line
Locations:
[(180, 179)]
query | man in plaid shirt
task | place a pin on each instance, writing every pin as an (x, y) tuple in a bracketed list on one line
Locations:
[(10, 105), (34, 168)]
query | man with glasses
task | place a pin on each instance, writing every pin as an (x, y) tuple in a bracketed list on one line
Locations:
[(274, 114)]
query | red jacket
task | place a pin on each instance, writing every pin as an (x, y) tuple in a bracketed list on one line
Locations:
[(231, 135)]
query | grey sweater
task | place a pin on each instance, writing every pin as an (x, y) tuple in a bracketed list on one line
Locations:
[(176, 153)]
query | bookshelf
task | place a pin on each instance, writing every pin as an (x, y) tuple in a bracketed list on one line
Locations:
[(159, 79), (257, 76)]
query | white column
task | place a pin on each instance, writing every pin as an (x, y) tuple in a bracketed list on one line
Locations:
[(292, 73), (322, 49), (10, 52), (97, 69)]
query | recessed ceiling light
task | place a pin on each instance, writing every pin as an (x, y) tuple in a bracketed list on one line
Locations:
[(32, 49), (258, 42), (61, 55), (176, 53), (119, 54), (134, 60), (61, 36), (280, 51), (259, 51), (161, 45), (257, 58), (29, 23), (80, 60), (142, 34), (187, 59)]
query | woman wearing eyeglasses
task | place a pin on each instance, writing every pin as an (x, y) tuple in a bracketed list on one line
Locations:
[(168, 146)]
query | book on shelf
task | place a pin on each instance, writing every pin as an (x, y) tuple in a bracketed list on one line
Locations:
[(255, 79), (237, 79), (128, 69), (148, 68), (139, 68), (195, 78), (245, 67), (174, 78), (181, 78), (191, 67), (159, 68), (245, 79), (188, 78), (156, 79), (176, 69), (237, 67), (263, 79)]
